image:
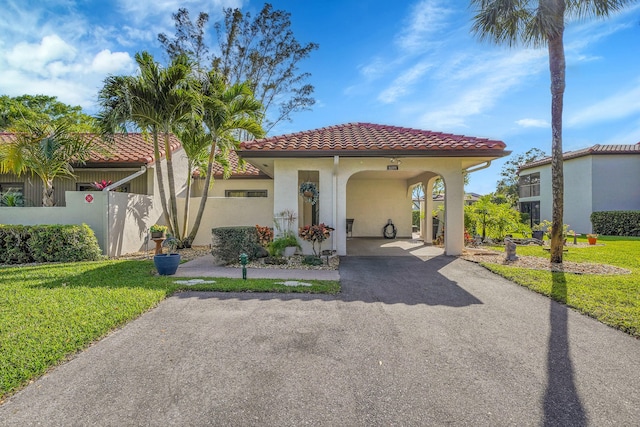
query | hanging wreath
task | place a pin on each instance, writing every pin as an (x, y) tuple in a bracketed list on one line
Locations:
[(309, 192)]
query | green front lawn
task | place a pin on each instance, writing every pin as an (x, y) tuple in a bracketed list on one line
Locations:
[(49, 312), (614, 300)]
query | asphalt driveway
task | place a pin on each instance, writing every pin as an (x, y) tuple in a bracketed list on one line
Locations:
[(435, 341)]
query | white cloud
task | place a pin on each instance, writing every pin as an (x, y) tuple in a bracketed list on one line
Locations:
[(619, 105), (401, 85), (533, 123), (428, 18), (477, 87), (141, 10), (35, 57), (107, 62)]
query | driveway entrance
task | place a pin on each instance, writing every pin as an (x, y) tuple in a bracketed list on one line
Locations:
[(368, 246)]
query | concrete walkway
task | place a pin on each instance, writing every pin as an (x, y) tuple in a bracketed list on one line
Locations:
[(204, 267), (409, 342)]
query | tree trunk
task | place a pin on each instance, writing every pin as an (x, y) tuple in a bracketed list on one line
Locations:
[(47, 193), (185, 222), (557, 69), (161, 192), (172, 188), (205, 193)]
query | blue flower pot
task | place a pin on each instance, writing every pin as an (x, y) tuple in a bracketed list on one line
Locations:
[(166, 265)]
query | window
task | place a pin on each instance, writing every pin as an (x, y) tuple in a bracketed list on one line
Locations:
[(245, 193), (533, 210), (529, 185), (124, 188), (13, 187)]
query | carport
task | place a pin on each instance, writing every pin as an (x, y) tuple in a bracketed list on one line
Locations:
[(366, 172)]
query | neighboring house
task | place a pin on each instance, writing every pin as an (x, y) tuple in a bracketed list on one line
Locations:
[(598, 178), (363, 172), (128, 155)]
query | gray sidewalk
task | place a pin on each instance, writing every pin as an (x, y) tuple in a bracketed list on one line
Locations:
[(204, 267)]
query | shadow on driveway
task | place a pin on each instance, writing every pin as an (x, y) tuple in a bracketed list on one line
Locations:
[(406, 280)]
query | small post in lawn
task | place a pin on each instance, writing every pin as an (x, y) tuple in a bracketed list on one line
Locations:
[(244, 258)]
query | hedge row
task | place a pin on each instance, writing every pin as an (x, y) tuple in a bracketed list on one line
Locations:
[(229, 242), (20, 244), (616, 223)]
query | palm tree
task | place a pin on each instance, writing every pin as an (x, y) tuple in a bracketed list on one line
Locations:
[(539, 23), (195, 142), (154, 101), (46, 150), (227, 111)]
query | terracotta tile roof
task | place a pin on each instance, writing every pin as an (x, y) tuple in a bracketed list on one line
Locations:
[(126, 149), (249, 171), (366, 139), (594, 150)]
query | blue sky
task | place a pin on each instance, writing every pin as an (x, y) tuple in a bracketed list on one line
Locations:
[(404, 63)]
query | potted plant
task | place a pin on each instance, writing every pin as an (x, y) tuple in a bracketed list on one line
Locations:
[(309, 191), (285, 246), (167, 264), (592, 238), (158, 231), (315, 233)]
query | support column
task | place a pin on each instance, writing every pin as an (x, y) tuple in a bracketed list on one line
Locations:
[(454, 213), (427, 221)]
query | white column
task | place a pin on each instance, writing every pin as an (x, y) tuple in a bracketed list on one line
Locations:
[(341, 214), (454, 212)]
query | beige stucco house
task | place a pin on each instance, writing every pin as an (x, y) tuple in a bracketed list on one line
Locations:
[(362, 171), (366, 172), (598, 178)]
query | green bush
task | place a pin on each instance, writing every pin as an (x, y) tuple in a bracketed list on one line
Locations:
[(616, 223), (47, 243), (277, 247), (13, 244), (415, 218), (312, 260), (229, 242)]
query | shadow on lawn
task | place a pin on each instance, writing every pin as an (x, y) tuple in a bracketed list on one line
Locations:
[(113, 274), (562, 405)]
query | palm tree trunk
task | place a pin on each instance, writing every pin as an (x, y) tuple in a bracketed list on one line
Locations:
[(172, 188), (205, 193), (557, 68), (185, 222), (161, 191), (47, 193)]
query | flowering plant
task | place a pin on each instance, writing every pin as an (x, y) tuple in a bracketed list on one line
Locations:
[(102, 184), (315, 233), (309, 191), (265, 235)]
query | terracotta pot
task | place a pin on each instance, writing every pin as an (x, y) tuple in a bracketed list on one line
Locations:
[(592, 240)]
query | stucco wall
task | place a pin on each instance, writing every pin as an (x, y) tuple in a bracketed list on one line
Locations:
[(616, 182), (371, 203), (578, 194), (228, 212), (77, 212)]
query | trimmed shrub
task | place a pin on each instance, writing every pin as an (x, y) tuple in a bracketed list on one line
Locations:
[(227, 243), (13, 244), (47, 243), (616, 223)]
